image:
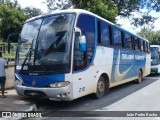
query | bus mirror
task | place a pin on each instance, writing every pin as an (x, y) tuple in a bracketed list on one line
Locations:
[(82, 44), (82, 40), (11, 37), (78, 31)]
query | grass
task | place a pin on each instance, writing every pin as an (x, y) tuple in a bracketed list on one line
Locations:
[(7, 55)]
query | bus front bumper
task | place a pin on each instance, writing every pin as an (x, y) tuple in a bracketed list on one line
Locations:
[(57, 94)]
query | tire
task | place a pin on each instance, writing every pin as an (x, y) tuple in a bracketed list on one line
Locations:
[(101, 88), (139, 80), (157, 74)]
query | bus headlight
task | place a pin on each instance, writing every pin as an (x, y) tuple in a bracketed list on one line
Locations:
[(18, 82), (60, 84)]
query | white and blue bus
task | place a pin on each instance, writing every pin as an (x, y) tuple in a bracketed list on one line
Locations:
[(72, 53), (155, 59)]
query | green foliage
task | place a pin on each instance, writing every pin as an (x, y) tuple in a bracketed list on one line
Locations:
[(109, 9), (58, 4), (11, 20), (145, 19), (10, 4), (7, 55), (149, 34), (32, 12), (105, 9), (126, 8)]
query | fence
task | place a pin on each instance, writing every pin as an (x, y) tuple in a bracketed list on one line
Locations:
[(4, 50)]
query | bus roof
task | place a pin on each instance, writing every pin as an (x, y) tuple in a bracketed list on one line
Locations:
[(155, 46), (79, 11)]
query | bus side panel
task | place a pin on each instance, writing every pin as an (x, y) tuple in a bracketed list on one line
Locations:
[(126, 65), (147, 69), (85, 82)]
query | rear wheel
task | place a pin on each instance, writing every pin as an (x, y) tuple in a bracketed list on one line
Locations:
[(139, 80), (101, 88)]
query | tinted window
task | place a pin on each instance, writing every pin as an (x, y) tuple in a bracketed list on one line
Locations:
[(144, 46), (104, 30), (137, 44), (148, 47), (127, 41), (141, 45), (87, 25), (117, 37)]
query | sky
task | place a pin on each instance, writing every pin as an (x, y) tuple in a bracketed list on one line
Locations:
[(125, 23), (35, 3)]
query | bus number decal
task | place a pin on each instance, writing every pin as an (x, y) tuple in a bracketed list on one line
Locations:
[(82, 89)]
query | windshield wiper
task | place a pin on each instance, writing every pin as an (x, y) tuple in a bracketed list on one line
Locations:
[(28, 55)]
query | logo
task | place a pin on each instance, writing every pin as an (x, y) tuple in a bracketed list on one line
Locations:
[(119, 76), (33, 83), (6, 114)]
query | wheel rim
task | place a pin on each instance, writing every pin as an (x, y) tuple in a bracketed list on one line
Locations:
[(101, 87), (139, 78)]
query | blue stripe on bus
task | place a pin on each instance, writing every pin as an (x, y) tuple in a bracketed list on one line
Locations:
[(129, 61), (41, 80), (95, 45)]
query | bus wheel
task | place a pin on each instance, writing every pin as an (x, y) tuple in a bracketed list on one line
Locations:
[(139, 80), (101, 88)]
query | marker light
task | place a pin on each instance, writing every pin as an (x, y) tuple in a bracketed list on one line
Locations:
[(60, 84)]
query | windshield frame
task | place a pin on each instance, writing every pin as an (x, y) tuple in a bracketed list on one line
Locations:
[(43, 68)]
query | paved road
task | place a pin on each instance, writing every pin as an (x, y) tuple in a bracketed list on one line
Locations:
[(125, 97), (120, 98)]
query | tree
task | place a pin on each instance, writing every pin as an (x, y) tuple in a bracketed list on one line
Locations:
[(105, 9), (123, 8), (10, 4), (127, 8), (11, 20), (58, 4), (150, 34), (31, 11)]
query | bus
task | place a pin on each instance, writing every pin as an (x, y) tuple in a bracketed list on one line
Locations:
[(155, 59), (68, 54)]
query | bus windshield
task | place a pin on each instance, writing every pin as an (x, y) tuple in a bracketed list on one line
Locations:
[(45, 43), (154, 56)]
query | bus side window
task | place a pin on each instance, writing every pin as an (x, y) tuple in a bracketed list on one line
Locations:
[(144, 46), (127, 41), (132, 43), (87, 25), (159, 54), (149, 47), (136, 43), (104, 34), (117, 37), (110, 35), (141, 45)]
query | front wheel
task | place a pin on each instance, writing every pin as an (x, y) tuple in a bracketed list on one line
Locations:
[(101, 88)]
